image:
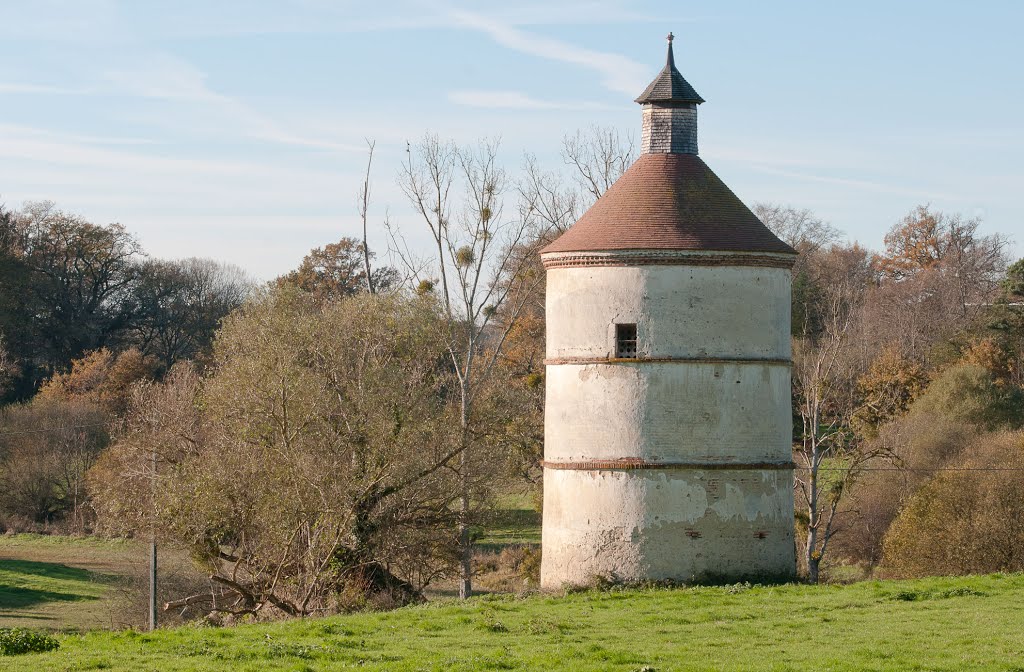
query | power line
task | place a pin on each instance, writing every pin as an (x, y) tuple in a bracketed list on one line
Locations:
[(44, 430)]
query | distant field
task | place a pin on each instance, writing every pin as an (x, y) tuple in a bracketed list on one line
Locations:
[(82, 583), (60, 582), (78, 583), (514, 521), (973, 623)]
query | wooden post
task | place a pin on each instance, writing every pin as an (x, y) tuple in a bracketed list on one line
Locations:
[(152, 584), (152, 559)]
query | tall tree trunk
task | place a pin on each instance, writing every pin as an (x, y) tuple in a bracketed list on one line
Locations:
[(465, 543), (811, 555), (812, 567), (465, 548), (364, 208)]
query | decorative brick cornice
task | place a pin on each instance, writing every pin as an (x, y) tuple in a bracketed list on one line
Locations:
[(635, 463), (665, 258), (668, 360)]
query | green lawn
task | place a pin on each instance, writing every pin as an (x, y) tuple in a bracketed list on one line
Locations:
[(25, 584), (973, 623), (56, 582), (81, 583), (509, 526)]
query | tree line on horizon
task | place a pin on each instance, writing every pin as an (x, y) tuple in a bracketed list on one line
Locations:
[(336, 438)]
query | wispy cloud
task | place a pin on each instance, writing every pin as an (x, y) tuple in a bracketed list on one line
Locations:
[(866, 185), (135, 179), (547, 13), (812, 164), (618, 73), (165, 77), (39, 145), (201, 18), (517, 100), (162, 76), (38, 89), (260, 213), (758, 155), (82, 21)]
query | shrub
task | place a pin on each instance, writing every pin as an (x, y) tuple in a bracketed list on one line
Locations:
[(102, 378), (16, 641), (921, 442), (529, 567), (969, 394), (964, 522), (42, 472), (311, 469), (890, 385)]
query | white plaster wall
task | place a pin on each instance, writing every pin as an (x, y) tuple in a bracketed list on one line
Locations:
[(653, 524), (680, 311), (668, 523), (668, 411)]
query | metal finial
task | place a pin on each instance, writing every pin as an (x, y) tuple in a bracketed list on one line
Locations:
[(670, 38)]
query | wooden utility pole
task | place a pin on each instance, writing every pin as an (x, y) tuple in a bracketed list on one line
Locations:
[(152, 558), (152, 584)]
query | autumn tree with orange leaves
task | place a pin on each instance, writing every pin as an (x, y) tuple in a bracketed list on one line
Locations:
[(951, 245)]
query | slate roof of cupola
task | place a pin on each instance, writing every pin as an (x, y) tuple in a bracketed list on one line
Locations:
[(669, 86), (669, 202)]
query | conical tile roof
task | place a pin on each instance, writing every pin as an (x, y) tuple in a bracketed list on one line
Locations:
[(669, 202)]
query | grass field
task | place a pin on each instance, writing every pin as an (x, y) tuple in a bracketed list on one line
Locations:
[(55, 582), (78, 583), (973, 623), (514, 521)]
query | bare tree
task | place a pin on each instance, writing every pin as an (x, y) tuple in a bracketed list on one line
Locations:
[(830, 457), (926, 240), (936, 279), (553, 201), (550, 202), (977, 264), (458, 193), (812, 238), (484, 266), (800, 228), (363, 204), (599, 156), (46, 446)]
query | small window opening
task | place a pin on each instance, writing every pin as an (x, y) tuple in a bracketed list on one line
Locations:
[(625, 341)]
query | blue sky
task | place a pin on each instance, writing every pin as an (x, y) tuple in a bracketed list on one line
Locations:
[(235, 129)]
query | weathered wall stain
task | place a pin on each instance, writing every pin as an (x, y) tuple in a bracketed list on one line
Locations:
[(711, 384)]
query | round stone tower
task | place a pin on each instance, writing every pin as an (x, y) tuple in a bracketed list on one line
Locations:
[(668, 427)]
